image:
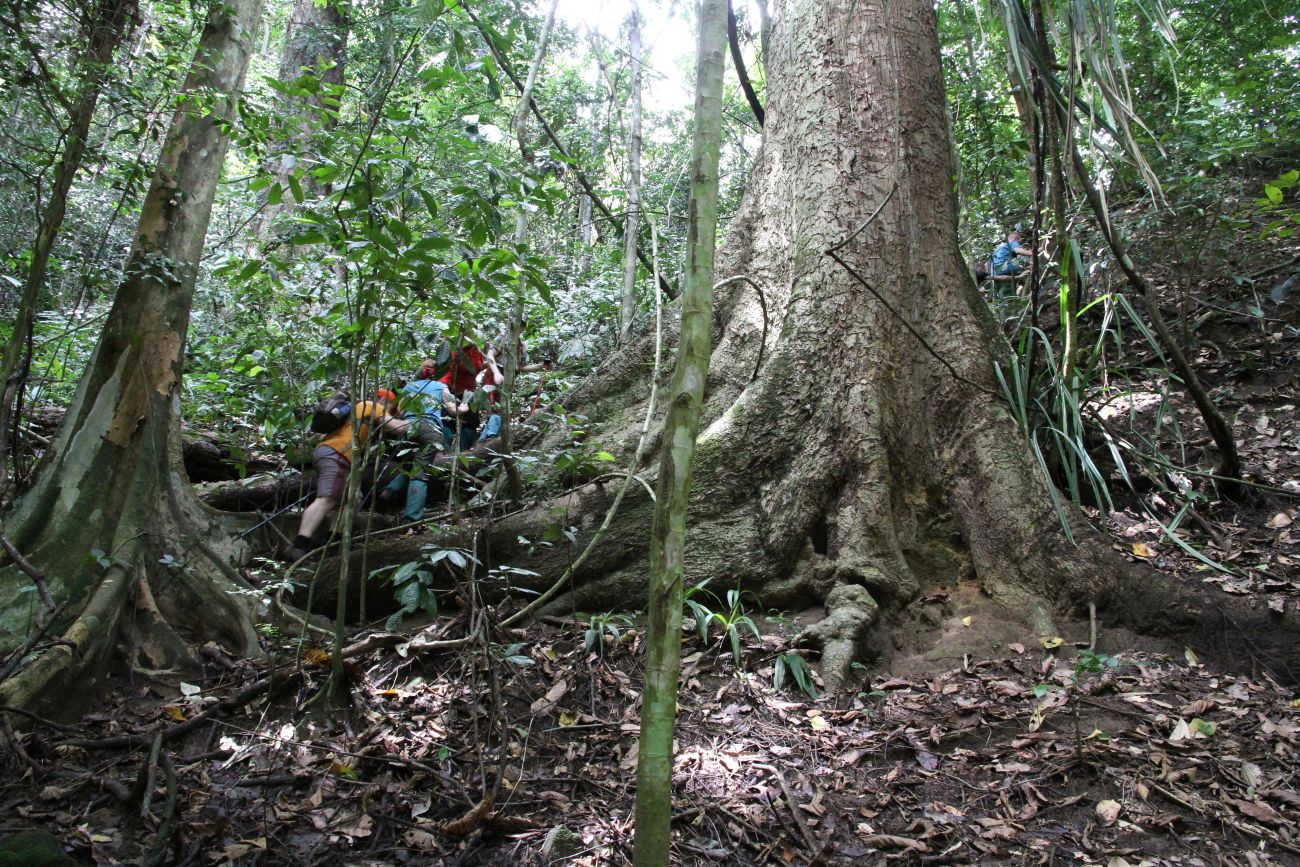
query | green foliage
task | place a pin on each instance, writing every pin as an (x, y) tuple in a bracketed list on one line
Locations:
[(730, 617), (1089, 663), (412, 588), (514, 653), (792, 666), (601, 625), (1282, 205)]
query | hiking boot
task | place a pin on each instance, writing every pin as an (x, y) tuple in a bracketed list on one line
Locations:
[(292, 554)]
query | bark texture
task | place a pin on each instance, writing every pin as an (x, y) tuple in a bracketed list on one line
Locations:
[(111, 519)]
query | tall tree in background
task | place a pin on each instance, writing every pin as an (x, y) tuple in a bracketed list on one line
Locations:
[(106, 23), (627, 311), (681, 427), (111, 522), (515, 324), (315, 51), (856, 447)]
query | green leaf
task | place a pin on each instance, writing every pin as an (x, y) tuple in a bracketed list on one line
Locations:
[(408, 596)]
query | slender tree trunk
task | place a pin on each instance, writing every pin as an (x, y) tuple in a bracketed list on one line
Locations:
[(677, 457), (738, 61), (513, 479), (108, 24), (114, 485), (1229, 462), (627, 312), (1052, 143)]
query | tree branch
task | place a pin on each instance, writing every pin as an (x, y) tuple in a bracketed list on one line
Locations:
[(733, 39)]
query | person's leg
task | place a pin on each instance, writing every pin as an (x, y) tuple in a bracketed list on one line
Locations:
[(331, 478), (430, 440), (313, 516), (417, 493), (395, 488), (468, 430), (492, 428)]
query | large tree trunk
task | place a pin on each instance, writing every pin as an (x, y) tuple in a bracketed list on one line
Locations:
[(112, 520), (856, 458)]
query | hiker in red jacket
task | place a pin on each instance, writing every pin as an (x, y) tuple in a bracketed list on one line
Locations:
[(462, 379)]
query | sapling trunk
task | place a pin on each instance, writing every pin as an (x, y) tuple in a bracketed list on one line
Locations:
[(681, 427)]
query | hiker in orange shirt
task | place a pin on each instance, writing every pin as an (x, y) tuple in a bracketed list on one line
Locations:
[(332, 460)]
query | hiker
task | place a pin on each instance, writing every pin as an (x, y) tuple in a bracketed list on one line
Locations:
[(332, 461), (1004, 264), (462, 379), (424, 401), (494, 376)]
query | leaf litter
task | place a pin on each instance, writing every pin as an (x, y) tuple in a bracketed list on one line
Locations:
[(1153, 762), (443, 760)]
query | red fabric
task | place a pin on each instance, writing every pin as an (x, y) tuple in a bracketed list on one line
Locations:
[(462, 377)]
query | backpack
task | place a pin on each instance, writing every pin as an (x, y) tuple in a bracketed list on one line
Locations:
[(331, 413)]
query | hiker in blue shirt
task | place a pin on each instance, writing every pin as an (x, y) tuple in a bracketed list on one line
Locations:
[(424, 400), (1004, 262)]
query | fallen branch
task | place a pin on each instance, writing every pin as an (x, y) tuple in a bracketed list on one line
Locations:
[(166, 827)]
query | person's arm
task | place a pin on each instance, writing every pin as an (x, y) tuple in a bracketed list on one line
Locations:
[(394, 425), (492, 370), (449, 405)]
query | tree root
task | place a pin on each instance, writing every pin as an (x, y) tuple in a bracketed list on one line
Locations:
[(850, 612), (57, 675)]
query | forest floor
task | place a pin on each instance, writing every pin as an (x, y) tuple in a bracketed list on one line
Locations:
[(1008, 748)]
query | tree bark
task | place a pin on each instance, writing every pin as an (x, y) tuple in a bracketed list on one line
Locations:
[(676, 461), (316, 44), (111, 518)]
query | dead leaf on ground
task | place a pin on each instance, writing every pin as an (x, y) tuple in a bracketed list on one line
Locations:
[(1257, 811), (551, 699), (1108, 811), (891, 841)]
